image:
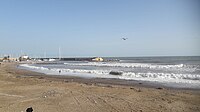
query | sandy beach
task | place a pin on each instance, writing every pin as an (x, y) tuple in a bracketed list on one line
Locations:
[(20, 89)]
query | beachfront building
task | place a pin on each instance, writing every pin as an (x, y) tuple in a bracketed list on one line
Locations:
[(98, 59), (1, 59), (7, 59), (24, 58)]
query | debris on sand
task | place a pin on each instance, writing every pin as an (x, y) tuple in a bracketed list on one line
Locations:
[(159, 88)]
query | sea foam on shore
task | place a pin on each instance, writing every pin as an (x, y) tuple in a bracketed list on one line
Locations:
[(183, 78)]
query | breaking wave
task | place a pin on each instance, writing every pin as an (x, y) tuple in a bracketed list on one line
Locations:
[(149, 76), (183, 67), (128, 65)]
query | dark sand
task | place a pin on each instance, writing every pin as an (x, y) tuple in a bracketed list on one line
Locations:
[(20, 89)]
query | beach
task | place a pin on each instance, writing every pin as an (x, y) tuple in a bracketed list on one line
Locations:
[(20, 89)]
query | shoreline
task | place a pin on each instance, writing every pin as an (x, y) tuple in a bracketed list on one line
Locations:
[(108, 81), (20, 89)]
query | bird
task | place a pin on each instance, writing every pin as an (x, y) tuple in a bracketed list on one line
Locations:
[(124, 38)]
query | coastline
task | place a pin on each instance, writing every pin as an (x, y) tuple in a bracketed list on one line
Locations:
[(103, 81), (22, 88)]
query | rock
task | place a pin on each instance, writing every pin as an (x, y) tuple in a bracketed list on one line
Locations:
[(139, 90), (30, 109), (41, 78), (163, 99), (116, 73), (109, 86), (159, 88), (18, 76), (66, 81)]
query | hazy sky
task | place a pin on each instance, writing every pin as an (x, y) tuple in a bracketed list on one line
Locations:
[(95, 27)]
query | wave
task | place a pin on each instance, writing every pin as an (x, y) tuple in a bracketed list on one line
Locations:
[(158, 77), (164, 77), (189, 68), (33, 67), (128, 65)]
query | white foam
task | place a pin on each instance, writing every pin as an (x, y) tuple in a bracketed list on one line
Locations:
[(33, 67), (70, 72), (181, 67), (163, 77), (127, 65), (158, 77)]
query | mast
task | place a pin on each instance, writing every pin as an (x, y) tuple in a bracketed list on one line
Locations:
[(21, 53), (45, 56), (59, 54)]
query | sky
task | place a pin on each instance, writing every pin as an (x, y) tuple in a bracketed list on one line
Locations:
[(95, 28)]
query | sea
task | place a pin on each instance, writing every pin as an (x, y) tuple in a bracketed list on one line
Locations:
[(177, 71)]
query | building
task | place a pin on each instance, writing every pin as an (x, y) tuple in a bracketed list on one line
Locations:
[(98, 59), (24, 58), (7, 59)]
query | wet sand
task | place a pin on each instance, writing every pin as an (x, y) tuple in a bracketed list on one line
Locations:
[(20, 89)]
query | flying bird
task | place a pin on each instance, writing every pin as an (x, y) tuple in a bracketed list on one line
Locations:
[(124, 38)]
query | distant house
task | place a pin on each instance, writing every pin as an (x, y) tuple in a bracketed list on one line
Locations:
[(8, 59), (24, 58), (5, 59), (98, 59)]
